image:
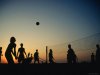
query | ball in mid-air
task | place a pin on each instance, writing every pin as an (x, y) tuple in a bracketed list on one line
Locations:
[(37, 23)]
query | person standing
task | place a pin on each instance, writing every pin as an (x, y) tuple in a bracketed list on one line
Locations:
[(20, 53), (92, 58), (51, 56), (71, 56), (0, 53), (98, 54), (36, 56), (11, 49)]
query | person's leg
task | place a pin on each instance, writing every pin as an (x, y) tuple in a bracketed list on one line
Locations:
[(34, 61), (9, 59), (75, 60), (0, 58), (19, 61), (38, 61), (70, 61)]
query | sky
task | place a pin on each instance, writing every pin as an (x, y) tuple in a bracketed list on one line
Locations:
[(60, 21)]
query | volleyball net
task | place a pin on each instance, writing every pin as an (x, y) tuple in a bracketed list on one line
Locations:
[(83, 48)]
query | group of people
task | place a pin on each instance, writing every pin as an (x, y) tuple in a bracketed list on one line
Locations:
[(96, 58), (21, 55), (72, 58)]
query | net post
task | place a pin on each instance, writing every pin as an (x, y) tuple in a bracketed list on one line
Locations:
[(46, 54)]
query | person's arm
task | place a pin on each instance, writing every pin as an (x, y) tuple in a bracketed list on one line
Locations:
[(52, 57), (25, 53), (15, 51), (38, 55), (18, 53)]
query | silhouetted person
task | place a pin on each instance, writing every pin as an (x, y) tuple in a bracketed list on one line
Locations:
[(71, 56), (0, 53), (31, 56), (98, 54), (36, 56), (9, 51), (51, 56), (28, 54), (92, 58), (20, 53)]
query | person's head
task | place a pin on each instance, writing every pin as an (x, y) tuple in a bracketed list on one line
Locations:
[(50, 50), (21, 44), (12, 39), (36, 50), (0, 48), (92, 53), (97, 45), (69, 46)]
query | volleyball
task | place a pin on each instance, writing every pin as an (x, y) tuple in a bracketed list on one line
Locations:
[(37, 23)]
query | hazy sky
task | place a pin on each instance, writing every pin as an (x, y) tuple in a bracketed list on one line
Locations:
[(60, 21)]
